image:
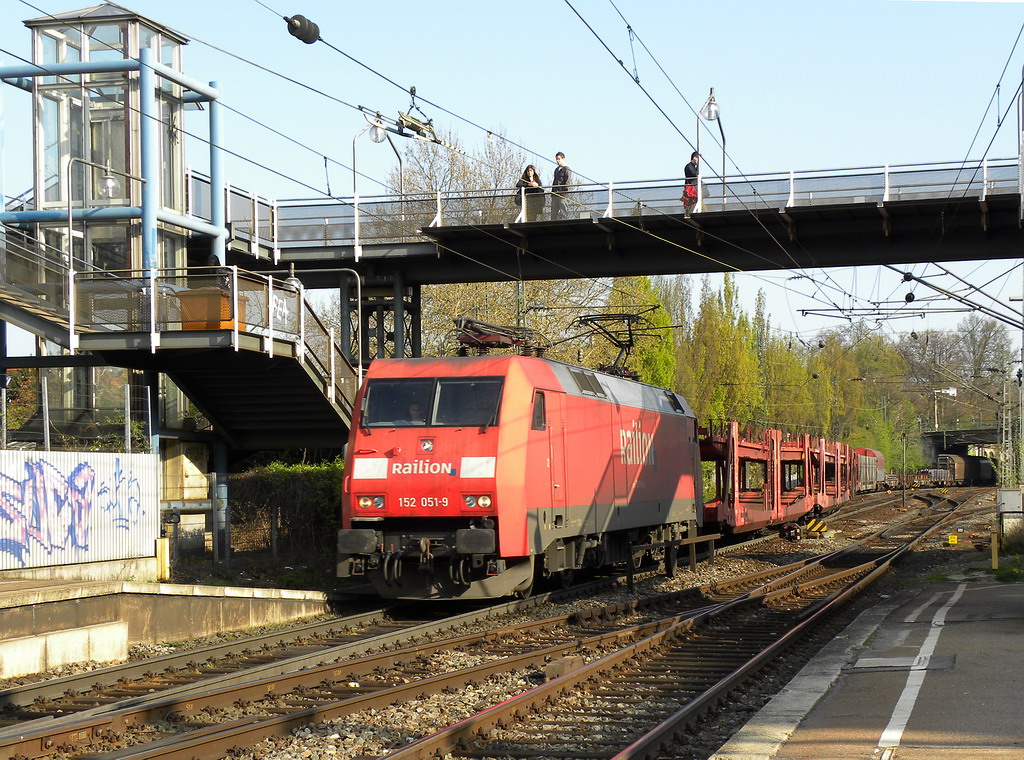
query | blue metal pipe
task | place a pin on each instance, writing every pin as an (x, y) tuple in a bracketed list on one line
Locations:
[(148, 134), (21, 74), (217, 201), (80, 67), (96, 214), (191, 223)]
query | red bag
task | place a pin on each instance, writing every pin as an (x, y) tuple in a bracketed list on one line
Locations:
[(689, 196)]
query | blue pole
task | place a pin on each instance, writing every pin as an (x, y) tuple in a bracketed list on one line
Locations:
[(217, 215), (149, 132)]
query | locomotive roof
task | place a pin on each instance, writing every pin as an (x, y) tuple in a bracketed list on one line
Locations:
[(574, 380)]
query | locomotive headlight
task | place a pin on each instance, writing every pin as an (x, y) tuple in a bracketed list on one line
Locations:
[(366, 502), (378, 502), (477, 501), (470, 501), (484, 501)]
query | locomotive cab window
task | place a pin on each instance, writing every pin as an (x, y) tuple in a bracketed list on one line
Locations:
[(467, 402), (398, 403), (540, 417)]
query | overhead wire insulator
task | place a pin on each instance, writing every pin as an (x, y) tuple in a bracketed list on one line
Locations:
[(302, 28)]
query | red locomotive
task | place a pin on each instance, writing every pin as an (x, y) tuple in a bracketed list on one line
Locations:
[(466, 477), (469, 477)]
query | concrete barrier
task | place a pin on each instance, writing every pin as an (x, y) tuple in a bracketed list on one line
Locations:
[(102, 642)]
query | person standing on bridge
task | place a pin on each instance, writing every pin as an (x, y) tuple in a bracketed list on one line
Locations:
[(530, 184), (560, 184), (692, 173)]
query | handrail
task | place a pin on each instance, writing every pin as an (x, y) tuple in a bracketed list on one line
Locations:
[(402, 217), (213, 298)]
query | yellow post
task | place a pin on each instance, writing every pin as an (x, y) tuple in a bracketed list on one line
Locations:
[(163, 559), (995, 550)]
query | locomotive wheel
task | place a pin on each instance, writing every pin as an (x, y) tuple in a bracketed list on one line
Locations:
[(566, 577), (460, 571), (392, 569), (524, 592), (525, 589)]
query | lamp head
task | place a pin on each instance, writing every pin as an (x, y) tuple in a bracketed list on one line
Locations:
[(109, 187), (711, 111), (378, 134)]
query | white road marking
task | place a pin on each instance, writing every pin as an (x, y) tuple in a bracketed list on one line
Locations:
[(893, 733)]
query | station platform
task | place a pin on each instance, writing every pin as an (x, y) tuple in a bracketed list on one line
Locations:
[(935, 672), (45, 623)]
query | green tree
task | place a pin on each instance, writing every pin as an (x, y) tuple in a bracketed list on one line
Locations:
[(717, 361)]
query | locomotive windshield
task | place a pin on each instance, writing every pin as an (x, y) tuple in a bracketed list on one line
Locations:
[(435, 401)]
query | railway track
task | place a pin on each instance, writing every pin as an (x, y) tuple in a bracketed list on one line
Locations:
[(637, 702), (236, 708)]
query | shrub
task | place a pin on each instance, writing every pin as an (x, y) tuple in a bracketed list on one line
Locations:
[(305, 498)]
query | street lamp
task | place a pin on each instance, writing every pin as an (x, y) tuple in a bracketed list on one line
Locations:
[(379, 132), (710, 111)]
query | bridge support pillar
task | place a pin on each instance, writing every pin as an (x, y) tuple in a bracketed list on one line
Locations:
[(390, 325), (221, 515)]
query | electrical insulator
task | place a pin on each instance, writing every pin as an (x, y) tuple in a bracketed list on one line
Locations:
[(302, 28)]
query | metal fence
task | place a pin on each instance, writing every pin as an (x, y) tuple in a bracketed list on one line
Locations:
[(214, 298), (75, 409)]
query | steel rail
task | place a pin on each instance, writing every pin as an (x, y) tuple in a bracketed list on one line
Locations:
[(93, 726), (56, 687), (650, 744), (88, 724)]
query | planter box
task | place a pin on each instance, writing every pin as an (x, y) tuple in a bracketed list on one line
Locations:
[(207, 309)]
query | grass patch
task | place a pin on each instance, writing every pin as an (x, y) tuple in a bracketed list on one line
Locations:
[(1011, 570), (1013, 542)]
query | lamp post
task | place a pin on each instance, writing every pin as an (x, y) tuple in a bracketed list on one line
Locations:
[(379, 132), (710, 112)]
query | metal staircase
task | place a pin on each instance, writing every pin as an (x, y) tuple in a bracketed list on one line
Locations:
[(246, 349)]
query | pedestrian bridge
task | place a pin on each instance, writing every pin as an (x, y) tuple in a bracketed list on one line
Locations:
[(789, 220), (270, 373)]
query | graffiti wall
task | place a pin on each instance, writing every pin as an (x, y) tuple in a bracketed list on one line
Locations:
[(67, 507)]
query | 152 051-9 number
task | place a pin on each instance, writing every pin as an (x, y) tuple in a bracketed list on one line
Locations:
[(423, 501)]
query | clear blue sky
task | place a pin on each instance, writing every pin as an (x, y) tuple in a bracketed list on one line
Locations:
[(802, 85)]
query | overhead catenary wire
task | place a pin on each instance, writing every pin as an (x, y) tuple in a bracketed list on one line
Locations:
[(661, 110), (318, 190)]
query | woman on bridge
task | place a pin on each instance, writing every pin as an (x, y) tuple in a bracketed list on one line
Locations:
[(534, 191)]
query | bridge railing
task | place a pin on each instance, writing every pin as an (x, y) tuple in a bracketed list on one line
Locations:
[(213, 298), (397, 219), (34, 275)]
